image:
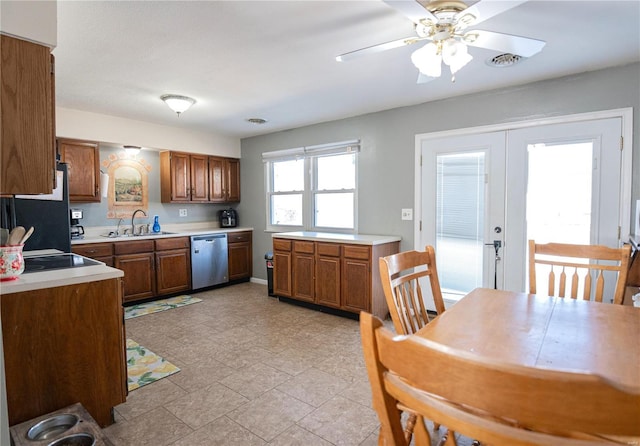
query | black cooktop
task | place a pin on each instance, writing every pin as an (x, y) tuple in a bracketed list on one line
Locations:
[(56, 261)]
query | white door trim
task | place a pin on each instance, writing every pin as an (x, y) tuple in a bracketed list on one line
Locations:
[(626, 115)]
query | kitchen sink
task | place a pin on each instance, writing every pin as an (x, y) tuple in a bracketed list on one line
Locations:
[(114, 235)]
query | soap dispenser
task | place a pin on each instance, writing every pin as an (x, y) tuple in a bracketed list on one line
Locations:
[(156, 224)]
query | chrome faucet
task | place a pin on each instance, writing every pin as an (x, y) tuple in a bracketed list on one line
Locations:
[(133, 228), (118, 227)]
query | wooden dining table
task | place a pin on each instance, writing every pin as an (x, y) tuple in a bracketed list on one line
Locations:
[(542, 331)]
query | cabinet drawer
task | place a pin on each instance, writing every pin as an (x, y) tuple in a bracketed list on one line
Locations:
[(281, 245), (304, 247), (235, 237), (94, 249), (328, 249), (133, 247), (357, 252), (172, 243)]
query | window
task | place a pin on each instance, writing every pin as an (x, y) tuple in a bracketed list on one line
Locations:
[(312, 188)]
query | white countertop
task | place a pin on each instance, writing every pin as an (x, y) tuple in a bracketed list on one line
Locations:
[(98, 234), (59, 277), (356, 239)]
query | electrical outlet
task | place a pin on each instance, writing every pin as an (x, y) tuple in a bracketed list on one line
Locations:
[(407, 214), (183, 212)]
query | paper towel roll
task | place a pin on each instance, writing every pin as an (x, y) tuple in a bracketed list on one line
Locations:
[(104, 184)]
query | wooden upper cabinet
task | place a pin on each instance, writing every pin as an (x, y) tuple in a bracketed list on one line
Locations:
[(224, 179), (27, 105), (194, 178), (199, 178), (233, 183), (83, 164)]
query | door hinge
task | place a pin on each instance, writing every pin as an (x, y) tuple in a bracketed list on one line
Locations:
[(420, 225), (619, 232), (621, 143)]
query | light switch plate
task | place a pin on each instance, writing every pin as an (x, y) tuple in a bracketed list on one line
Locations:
[(183, 212), (407, 214)]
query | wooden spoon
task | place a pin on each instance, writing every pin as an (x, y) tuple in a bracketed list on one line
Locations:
[(24, 238), (16, 235)]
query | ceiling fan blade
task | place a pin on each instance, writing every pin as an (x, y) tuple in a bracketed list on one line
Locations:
[(485, 9), (413, 10), (506, 43), (378, 48)]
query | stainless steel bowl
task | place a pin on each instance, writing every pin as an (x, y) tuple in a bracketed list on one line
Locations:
[(82, 439), (52, 427)]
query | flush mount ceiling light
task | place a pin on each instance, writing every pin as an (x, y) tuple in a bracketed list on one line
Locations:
[(132, 150), (177, 103)]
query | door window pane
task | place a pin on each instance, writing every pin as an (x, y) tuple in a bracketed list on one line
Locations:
[(460, 208), (559, 193)]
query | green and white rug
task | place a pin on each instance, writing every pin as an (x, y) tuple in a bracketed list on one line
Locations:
[(145, 367), (159, 305)]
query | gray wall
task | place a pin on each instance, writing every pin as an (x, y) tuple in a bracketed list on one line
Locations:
[(386, 160)]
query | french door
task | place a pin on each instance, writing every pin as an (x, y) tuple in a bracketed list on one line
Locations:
[(484, 195)]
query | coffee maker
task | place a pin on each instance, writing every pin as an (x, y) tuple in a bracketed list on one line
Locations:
[(77, 231), (228, 218)]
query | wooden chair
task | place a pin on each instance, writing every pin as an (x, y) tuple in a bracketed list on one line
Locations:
[(560, 258), (496, 403), (400, 274)]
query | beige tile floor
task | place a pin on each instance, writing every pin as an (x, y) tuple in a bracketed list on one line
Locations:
[(254, 371)]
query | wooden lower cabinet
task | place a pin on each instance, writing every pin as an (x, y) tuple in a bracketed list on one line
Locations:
[(240, 255), (64, 345), (303, 265), (162, 266), (282, 267), (338, 275), (328, 268), (173, 265), (136, 259), (102, 252)]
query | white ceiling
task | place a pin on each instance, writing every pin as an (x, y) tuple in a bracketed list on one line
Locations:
[(276, 59)]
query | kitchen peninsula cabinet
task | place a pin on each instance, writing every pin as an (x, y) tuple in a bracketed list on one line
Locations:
[(282, 267), (173, 265), (303, 267), (27, 146), (83, 164), (136, 260), (63, 345), (331, 273), (240, 249), (224, 180), (328, 264)]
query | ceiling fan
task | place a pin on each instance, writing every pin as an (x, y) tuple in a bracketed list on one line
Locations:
[(443, 24)]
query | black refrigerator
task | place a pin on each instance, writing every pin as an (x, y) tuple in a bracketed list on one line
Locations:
[(48, 214)]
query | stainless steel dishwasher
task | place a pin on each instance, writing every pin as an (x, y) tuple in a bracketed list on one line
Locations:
[(209, 261)]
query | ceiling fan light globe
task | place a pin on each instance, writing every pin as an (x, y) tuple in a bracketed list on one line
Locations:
[(427, 60), (459, 61)]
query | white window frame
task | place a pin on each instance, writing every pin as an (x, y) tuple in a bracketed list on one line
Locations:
[(310, 154)]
